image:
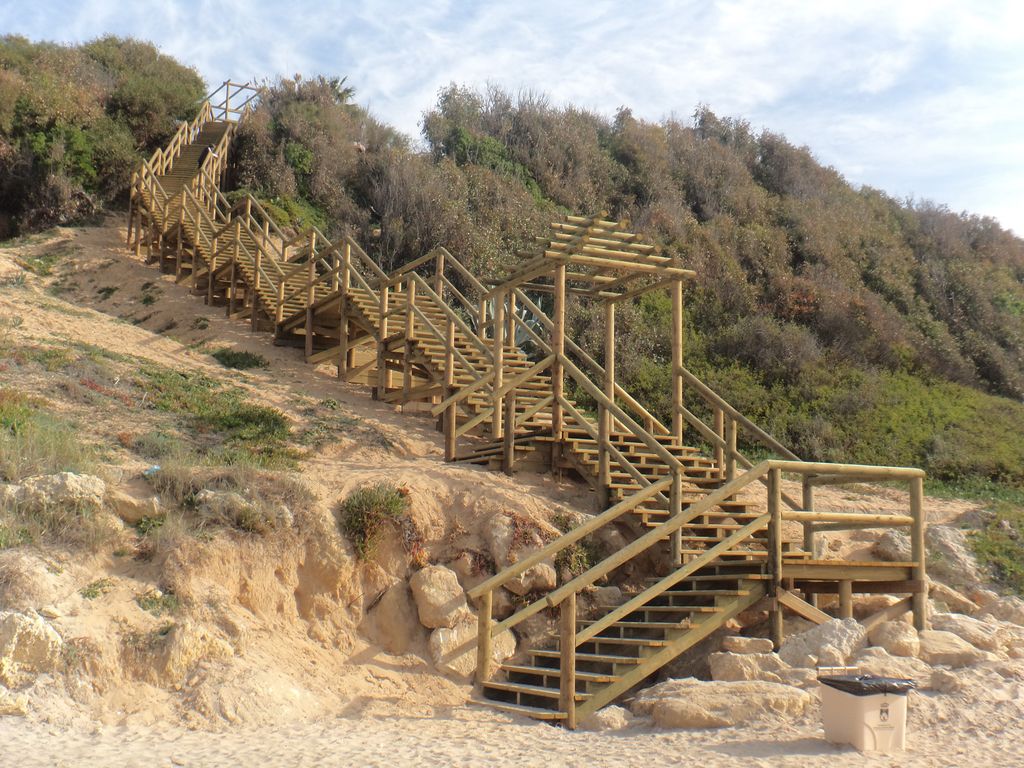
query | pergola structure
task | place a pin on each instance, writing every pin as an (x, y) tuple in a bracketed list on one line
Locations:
[(600, 259)]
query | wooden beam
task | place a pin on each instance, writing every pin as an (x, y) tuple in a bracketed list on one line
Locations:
[(558, 349), (678, 334), (891, 613), (567, 662), (917, 551), (845, 599), (802, 608), (775, 553), (483, 643)]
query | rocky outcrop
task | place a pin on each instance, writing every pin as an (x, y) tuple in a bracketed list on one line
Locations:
[(440, 599), (691, 703), (746, 666), (845, 636), (538, 578), (82, 493), (898, 638), (131, 509), (611, 718), (877, 661), (453, 650), (947, 649), (28, 644), (980, 634), (1009, 609), (738, 644), (949, 556)]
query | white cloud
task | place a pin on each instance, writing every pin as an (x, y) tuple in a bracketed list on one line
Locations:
[(920, 96)]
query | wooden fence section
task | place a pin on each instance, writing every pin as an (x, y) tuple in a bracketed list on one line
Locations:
[(493, 363)]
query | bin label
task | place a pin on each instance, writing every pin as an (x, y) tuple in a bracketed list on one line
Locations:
[(883, 713)]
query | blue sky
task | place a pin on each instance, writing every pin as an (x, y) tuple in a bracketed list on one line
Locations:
[(922, 99)]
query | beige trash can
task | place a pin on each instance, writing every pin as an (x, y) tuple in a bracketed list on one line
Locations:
[(866, 711)]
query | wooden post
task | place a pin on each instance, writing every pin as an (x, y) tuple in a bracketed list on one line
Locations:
[(567, 666), (604, 424), (483, 643), (676, 508), (279, 313), (775, 553), (919, 600), (678, 331), (558, 349), (845, 599), (719, 425), (344, 354), (383, 376), (508, 453), (181, 237), (410, 336), (439, 267), (310, 278), (498, 354), (730, 448), (450, 414), (807, 502), (234, 267)]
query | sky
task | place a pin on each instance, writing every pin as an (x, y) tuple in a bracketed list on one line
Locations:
[(923, 100)]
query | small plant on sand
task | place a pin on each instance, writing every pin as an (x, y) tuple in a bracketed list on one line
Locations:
[(106, 292), (239, 359), (158, 603), (200, 324), (96, 589), (34, 441), (366, 512)]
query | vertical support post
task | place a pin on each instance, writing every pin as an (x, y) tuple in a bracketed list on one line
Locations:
[(508, 453), (344, 354), (678, 337), (807, 503), (279, 313), (567, 665), (775, 552), (558, 349), (845, 599), (439, 267), (234, 267), (450, 415), (383, 375), (498, 363), (410, 336), (310, 295), (919, 600), (604, 425), (676, 503), (483, 642), (719, 426), (181, 237), (730, 448), (211, 267)]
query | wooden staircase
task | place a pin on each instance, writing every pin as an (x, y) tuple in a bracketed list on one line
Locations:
[(491, 366)]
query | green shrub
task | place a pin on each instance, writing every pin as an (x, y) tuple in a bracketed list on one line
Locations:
[(367, 512), (36, 442), (239, 359)]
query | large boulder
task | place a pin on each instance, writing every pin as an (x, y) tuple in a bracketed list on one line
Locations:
[(392, 620), (440, 600), (740, 644), (11, 704), (898, 638), (188, 644), (746, 666), (1009, 609), (81, 493), (951, 599), (131, 509), (28, 582), (893, 546), (980, 634), (938, 647), (691, 703), (949, 556), (453, 650), (27, 644), (611, 718), (846, 636), (538, 578)]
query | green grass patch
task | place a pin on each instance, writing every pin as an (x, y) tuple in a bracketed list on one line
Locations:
[(158, 603), (43, 264), (96, 589), (36, 442), (106, 292), (250, 432), (239, 359), (367, 512), (999, 544)]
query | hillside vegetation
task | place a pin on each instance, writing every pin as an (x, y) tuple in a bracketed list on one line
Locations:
[(851, 325)]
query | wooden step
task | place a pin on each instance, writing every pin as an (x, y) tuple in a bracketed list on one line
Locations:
[(537, 713), (530, 690)]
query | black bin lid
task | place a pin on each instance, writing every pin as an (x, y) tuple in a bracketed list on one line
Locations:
[(868, 685)]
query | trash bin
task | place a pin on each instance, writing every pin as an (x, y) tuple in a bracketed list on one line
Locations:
[(866, 711)]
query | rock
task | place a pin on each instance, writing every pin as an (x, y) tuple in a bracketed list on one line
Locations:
[(502, 604), (865, 606), (893, 546), (539, 578), (607, 597), (394, 624), (949, 556), (830, 656), (945, 681), (13, 705), (898, 638), (453, 650), (690, 703), (984, 597), (1006, 609), (49, 612), (978, 633), (611, 718), (746, 666), (876, 661), (739, 644), (847, 636), (27, 581), (506, 540), (28, 642), (799, 677), (227, 506), (953, 600), (82, 493), (186, 644), (938, 647), (131, 509), (440, 600)]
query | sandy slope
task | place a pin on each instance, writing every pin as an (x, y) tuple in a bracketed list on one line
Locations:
[(305, 690)]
